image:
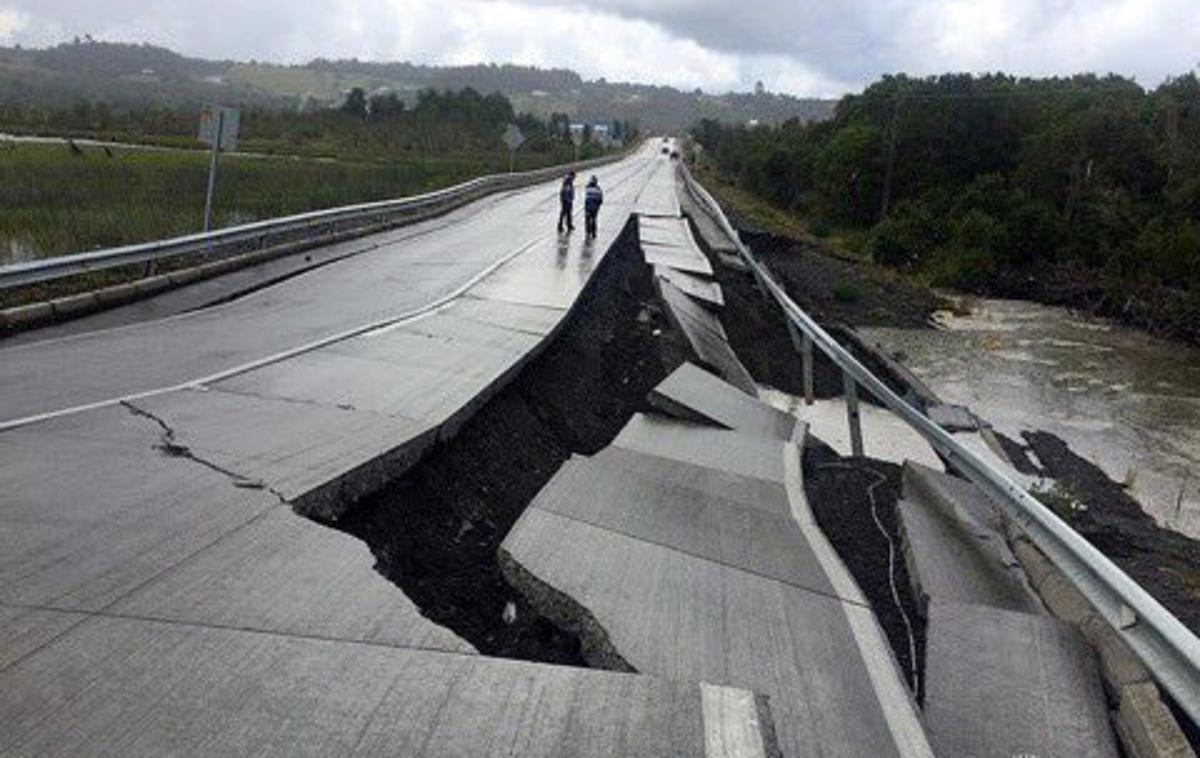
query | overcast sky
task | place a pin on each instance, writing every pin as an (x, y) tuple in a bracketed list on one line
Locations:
[(805, 47)]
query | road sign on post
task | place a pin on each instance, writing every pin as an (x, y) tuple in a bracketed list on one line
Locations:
[(219, 128), (514, 139), (577, 138)]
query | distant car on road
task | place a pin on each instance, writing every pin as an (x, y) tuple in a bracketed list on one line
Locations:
[(666, 150), (674, 155)]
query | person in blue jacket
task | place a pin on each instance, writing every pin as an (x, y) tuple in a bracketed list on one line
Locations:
[(593, 198), (566, 203)]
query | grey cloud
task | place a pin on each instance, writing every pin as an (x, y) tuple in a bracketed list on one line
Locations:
[(850, 42)]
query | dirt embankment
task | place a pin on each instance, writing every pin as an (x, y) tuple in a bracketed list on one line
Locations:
[(435, 532), (833, 290), (760, 336), (1165, 562)]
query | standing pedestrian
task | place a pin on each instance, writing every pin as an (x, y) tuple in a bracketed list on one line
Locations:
[(593, 198), (566, 203)]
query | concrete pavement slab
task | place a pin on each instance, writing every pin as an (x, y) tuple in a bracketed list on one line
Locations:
[(319, 458), (137, 687), (531, 319), (25, 630), (692, 286), (949, 561), (671, 232), (674, 614), (704, 446), (436, 370), (952, 496), (706, 336), (885, 435), (953, 418), (768, 496), (659, 198), (714, 237), (691, 392), (682, 258), (649, 507), (287, 574), (682, 307), (664, 236), (91, 507), (1000, 682)]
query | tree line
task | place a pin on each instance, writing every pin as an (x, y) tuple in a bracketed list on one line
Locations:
[(376, 126), (1082, 191)]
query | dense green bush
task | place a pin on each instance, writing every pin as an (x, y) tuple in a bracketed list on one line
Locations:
[(989, 182), (904, 237)]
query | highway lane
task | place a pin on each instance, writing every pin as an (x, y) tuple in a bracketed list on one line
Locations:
[(401, 277)]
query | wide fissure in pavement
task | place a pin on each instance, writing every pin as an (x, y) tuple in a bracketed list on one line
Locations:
[(434, 532), (854, 501)]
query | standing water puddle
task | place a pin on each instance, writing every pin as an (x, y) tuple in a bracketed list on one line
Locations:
[(1128, 402)]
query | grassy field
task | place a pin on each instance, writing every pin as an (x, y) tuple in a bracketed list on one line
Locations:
[(54, 201)]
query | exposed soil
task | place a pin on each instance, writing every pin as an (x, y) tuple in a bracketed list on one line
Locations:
[(839, 491), (1018, 455), (835, 290), (760, 336), (1165, 562), (435, 532)]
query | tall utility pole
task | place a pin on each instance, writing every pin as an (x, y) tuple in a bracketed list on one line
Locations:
[(890, 168)]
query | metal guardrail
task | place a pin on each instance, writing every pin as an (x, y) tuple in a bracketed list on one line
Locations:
[(1163, 644), (48, 269)]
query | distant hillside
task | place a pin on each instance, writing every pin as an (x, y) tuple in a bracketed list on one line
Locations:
[(123, 76), (128, 76)]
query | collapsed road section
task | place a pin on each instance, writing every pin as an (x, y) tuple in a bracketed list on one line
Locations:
[(434, 532), (425, 536), (160, 595)]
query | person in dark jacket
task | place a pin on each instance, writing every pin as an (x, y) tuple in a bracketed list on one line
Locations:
[(593, 198), (566, 203)]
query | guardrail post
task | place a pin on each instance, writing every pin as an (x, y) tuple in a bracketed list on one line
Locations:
[(762, 288), (856, 440), (794, 333), (803, 345), (806, 361)]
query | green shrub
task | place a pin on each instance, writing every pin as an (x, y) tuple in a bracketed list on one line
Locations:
[(905, 236), (969, 260), (845, 292)]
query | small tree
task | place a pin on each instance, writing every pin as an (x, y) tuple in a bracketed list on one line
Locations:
[(356, 103)]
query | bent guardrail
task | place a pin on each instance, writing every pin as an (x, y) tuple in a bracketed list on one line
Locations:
[(1164, 645), (312, 223)]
